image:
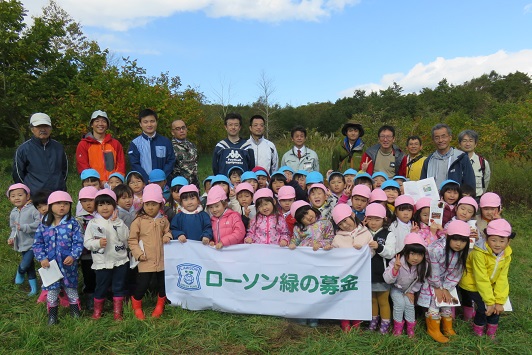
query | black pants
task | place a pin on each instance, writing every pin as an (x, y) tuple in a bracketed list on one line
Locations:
[(480, 314), (143, 283), (115, 277), (89, 277)]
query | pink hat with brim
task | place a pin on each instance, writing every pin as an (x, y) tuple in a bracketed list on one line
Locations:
[(415, 238), (361, 190), (244, 186), (18, 186), (88, 192), (286, 192), (317, 186), (404, 200), (458, 227), (499, 227), (261, 193), (468, 200), (189, 188), (375, 210), (340, 212), (297, 205), (152, 193), (423, 202), (107, 192), (377, 195), (59, 196), (215, 195), (490, 199)]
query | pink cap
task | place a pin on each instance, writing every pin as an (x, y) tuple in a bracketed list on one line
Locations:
[(317, 186), (264, 192), (499, 227), (415, 238), (340, 212), (59, 196), (216, 194), (152, 193), (18, 186), (297, 205), (404, 200), (107, 192), (468, 200), (189, 188), (377, 195), (375, 210), (458, 227), (286, 193), (88, 192), (361, 190), (244, 186), (423, 202), (490, 199)]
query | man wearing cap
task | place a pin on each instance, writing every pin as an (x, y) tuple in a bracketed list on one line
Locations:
[(186, 154), (41, 162), (99, 151), (447, 163), (349, 153), (384, 156), (263, 149)]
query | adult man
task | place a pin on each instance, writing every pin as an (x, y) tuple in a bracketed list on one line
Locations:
[(99, 151), (383, 156), (300, 157), (447, 162), (232, 151), (413, 162), (348, 154), (186, 154), (468, 140), (41, 162), (264, 150), (150, 150)]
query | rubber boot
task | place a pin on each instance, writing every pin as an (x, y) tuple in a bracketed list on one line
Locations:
[(410, 329), (385, 326), (355, 324), (90, 302), (398, 328), (98, 308), (118, 307), (52, 315), (478, 330), (42, 296), (19, 278), (433, 329), (33, 287), (345, 325), (159, 307), (491, 330), (468, 313), (63, 299), (374, 322), (137, 307), (75, 310), (447, 326)]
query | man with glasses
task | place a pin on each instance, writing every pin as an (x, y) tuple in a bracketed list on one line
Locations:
[(447, 163), (384, 156), (186, 154), (468, 141), (264, 150)]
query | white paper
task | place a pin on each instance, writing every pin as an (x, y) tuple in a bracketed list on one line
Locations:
[(51, 274), (507, 305), (422, 188), (132, 261), (455, 303), (436, 212), (473, 224)]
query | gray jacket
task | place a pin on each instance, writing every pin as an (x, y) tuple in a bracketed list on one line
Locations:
[(29, 219)]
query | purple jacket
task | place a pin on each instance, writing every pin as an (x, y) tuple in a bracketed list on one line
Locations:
[(406, 278)]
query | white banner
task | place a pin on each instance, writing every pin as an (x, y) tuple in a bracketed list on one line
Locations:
[(270, 280)]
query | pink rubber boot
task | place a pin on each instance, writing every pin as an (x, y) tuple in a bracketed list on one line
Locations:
[(478, 330)]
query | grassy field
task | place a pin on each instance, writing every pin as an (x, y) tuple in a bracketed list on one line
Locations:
[(23, 328)]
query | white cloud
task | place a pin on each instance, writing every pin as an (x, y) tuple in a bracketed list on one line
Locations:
[(121, 15), (455, 70)]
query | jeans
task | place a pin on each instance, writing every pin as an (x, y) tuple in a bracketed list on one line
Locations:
[(27, 265)]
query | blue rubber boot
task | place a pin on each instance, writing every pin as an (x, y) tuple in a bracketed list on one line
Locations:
[(33, 287), (19, 279)]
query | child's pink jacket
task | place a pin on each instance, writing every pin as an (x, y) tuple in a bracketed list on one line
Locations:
[(270, 229), (228, 228)]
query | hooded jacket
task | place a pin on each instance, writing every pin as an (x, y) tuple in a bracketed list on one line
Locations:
[(371, 154), (105, 157), (228, 228), (344, 157), (460, 170)]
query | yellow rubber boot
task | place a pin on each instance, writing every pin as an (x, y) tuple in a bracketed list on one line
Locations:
[(433, 329)]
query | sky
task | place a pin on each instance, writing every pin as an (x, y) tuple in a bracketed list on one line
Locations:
[(310, 50)]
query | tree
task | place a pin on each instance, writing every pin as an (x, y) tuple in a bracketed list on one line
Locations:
[(267, 89)]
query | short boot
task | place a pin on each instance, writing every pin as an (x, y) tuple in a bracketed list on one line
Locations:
[(137, 308), (411, 329), (118, 307), (469, 313), (478, 330), (75, 310), (433, 329), (19, 278), (491, 330), (98, 308), (385, 326), (345, 325), (33, 287), (355, 324), (398, 328), (52, 315), (374, 322), (159, 307), (447, 326)]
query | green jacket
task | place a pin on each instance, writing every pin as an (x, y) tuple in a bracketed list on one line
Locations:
[(344, 158)]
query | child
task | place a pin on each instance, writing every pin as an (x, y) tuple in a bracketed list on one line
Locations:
[(351, 234), (466, 209), (157, 176), (227, 226), (392, 190), (124, 204), (172, 206), (206, 188), (301, 177), (383, 248), (490, 209), (359, 200), (402, 221), (486, 279), (106, 237), (251, 178), (378, 179), (447, 257), (23, 221), (320, 200), (400, 180), (262, 177), (421, 222), (287, 171), (314, 177), (224, 182), (115, 179), (234, 174), (59, 238), (349, 176), (192, 223), (364, 179), (153, 230), (278, 180), (407, 274), (450, 194), (286, 197), (310, 230), (90, 177), (336, 185), (244, 195), (268, 226), (40, 201), (136, 182)]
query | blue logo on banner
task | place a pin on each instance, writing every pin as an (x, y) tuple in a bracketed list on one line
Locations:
[(189, 277)]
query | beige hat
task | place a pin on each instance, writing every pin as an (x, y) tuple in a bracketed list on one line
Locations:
[(40, 118)]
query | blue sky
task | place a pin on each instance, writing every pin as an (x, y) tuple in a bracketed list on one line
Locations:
[(314, 50)]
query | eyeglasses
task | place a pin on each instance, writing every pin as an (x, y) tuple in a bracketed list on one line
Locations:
[(182, 128), (386, 137)]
